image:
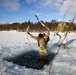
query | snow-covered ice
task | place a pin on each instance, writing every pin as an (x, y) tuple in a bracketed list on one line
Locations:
[(13, 43)]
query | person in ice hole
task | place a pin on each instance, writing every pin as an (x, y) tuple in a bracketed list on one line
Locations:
[(42, 39)]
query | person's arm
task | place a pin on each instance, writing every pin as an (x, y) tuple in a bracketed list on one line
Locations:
[(47, 33), (34, 37), (27, 30)]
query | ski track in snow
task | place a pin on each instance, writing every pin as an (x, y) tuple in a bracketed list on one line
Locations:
[(13, 43)]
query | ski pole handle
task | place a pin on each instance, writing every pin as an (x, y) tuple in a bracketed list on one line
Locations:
[(39, 21), (36, 17)]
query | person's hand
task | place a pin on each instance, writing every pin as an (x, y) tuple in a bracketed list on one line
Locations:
[(55, 34)]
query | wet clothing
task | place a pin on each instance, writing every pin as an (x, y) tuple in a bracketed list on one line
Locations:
[(42, 42), (61, 31)]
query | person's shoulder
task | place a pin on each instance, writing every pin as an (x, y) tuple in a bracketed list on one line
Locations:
[(65, 23)]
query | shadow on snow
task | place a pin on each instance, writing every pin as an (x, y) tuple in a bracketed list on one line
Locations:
[(30, 59), (55, 45), (70, 41)]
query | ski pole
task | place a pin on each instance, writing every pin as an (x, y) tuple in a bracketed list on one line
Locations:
[(56, 54), (51, 41), (27, 29), (41, 22), (72, 20), (66, 12)]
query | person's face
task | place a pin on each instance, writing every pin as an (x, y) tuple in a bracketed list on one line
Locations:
[(61, 22)]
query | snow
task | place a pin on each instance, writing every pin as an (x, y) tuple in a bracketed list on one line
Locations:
[(13, 43)]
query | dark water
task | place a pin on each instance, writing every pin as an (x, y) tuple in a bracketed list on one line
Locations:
[(30, 60)]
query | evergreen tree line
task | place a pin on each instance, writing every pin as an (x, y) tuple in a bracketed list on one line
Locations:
[(35, 26)]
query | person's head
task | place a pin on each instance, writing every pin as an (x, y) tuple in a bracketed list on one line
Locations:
[(60, 21), (40, 35)]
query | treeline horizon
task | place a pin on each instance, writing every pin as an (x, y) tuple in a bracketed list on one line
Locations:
[(52, 25)]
